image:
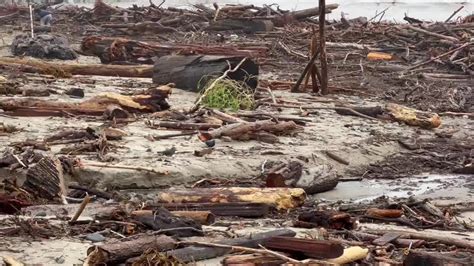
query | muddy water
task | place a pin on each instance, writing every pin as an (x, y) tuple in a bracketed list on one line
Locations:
[(422, 9), (450, 188)]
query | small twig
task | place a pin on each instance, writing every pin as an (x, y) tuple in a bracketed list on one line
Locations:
[(271, 94), (378, 14), (213, 84), (81, 209), (177, 229), (454, 14)]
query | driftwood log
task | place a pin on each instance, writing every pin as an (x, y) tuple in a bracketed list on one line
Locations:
[(193, 72), (240, 209), (111, 50), (117, 252), (266, 130), (281, 198), (247, 26), (189, 254), (170, 224), (311, 248), (66, 70), (416, 258)]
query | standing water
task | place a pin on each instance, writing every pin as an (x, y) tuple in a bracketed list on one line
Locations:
[(430, 10)]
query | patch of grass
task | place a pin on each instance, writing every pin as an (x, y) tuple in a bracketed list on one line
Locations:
[(228, 94)]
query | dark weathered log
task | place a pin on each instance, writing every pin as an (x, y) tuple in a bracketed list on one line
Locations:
[(202, 217), (318, 249), (111, 50), (247, 26), (252, 259), (190, 254), (423, 258), (10, 204), (328, 219), (369, 111), (65, 70), (289, 17), (115, 111), (117, 252), (281, 198), (163, 220), (284, 175), (46, 180), (240, 209), (194, 72), (387, 213)]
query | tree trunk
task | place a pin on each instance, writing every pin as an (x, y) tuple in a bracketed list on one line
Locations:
[(281, 198)]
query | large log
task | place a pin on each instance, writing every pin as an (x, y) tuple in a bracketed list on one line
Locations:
[(281, 198), (94, 106), (117, 252), (193, 72), (66, 70), (240, 209), (189, 254), (247, 26), (111, 50), (289, 17), (307, 247)]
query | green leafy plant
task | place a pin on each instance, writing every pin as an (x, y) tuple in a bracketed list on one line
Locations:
[(228, 94)]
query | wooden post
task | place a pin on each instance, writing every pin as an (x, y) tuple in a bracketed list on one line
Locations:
[(322, 48)]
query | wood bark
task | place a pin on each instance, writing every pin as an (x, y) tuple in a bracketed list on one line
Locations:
[(190, 254), (413, 117), (194, 72), (65, 70), (281, 198), (46, 179), (117, 252), (240, 209), (328, 219), (311, 248), (284, 175)]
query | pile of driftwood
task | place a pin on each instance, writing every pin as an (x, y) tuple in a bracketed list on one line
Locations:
[(161, 229)]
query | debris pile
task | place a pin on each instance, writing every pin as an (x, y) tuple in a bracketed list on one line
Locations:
[(196, 138)]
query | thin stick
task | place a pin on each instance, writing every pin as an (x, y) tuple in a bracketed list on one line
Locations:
[(213, 84), (441, 36), (168, 136), (305, 71), (81, 209), (454, 14), (322, 48), (438, 57), (31, 22), (271, 94)]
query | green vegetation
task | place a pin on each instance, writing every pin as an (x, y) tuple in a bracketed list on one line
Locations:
[(228, 94)]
